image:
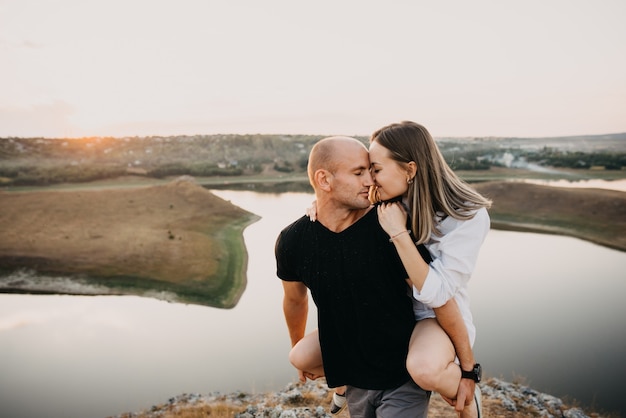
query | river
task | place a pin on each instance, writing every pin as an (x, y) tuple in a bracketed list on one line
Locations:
[(548, 309)]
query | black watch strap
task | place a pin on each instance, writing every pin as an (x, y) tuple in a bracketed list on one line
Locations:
[(475, 374)]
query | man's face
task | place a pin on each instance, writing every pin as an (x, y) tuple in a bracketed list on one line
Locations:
[(352, 178)]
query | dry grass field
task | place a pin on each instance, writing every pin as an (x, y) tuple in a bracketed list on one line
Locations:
[(595, 215), (176, 237)]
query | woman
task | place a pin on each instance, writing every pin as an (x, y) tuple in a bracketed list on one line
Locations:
[(451, 220)]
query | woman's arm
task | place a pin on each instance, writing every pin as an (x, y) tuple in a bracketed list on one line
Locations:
[(455, 255), (392, 218)]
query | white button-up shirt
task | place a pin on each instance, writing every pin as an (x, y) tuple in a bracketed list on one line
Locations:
[(454, 257)]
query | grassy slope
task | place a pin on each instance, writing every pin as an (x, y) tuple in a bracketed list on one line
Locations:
[(594, 215), (177, 238)]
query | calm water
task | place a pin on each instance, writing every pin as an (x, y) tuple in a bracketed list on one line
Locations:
[(619, 185), (548, 309)]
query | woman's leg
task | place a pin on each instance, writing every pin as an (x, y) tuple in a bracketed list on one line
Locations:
[(306, 356), (431, 359), (431, 362)]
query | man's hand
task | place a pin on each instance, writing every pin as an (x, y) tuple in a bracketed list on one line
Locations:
[(303, 376), (464, 395), (310, 376)]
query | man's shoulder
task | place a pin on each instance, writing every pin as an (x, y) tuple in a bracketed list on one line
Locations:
[(297, 225), (295, 231), (290, 246)]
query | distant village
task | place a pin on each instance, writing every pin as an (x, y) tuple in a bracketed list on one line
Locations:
[(26, 161)]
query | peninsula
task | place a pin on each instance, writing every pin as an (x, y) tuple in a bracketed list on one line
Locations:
[(175, 241)]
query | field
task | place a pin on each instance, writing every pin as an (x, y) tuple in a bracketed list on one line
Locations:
[(175, 241), (594, 215)]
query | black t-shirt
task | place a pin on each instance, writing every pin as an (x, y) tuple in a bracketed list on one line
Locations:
[(357, 282)]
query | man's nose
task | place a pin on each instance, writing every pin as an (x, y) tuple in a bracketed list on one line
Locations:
[(368, 179)]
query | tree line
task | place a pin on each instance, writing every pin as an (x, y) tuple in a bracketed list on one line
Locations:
[(43, 161)]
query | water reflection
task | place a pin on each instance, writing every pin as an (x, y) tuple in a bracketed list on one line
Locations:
[(547, 308), (619, 185)]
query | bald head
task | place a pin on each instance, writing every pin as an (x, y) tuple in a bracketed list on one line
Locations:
[(329, 152)]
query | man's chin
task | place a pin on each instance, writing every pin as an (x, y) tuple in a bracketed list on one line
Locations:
[(365, 203)]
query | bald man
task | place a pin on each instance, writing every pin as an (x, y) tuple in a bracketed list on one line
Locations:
[(358, 283)]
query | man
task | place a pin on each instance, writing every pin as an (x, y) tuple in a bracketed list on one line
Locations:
[(357, 282)]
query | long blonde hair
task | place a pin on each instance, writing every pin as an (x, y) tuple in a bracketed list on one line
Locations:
[(436, 191)]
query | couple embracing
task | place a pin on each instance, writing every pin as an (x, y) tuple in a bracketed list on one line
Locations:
[(386, 252)]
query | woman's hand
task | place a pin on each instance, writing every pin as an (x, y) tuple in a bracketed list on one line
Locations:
[(392, 218), (311, 211)]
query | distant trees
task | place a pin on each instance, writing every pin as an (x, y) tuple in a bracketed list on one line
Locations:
[(30, 161), (53, 174), (577, 159)]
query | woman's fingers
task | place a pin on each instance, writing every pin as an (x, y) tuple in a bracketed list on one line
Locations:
[(311, 211)]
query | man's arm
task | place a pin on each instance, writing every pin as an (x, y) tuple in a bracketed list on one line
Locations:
[(296, 309), (450, 319)]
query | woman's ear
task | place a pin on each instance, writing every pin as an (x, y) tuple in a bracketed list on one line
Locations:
[(411, 170)]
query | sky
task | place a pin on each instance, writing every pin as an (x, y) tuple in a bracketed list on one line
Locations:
[(529, 68)]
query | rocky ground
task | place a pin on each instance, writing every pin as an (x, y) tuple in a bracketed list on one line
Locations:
[(500, 399)]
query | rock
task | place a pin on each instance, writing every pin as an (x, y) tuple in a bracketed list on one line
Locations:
[(310, 400)]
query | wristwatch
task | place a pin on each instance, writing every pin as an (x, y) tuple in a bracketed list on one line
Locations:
[(475, 374)]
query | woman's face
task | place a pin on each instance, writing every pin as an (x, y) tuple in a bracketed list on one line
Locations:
[(389, 176)]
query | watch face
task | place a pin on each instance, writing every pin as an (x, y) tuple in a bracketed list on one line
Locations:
[(478, 371)]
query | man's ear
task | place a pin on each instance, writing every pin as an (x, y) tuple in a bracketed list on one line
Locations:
[(323, 179)]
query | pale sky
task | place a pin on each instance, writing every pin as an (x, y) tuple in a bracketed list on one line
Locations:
[(73, 68)]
